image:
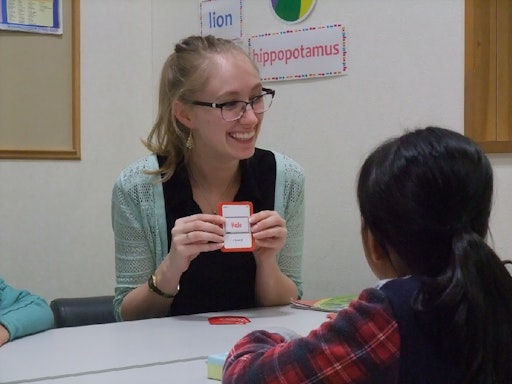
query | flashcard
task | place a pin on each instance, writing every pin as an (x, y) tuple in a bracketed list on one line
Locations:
[(237, 230), (226, 320)]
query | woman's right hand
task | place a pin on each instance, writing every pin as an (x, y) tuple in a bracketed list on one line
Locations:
[(192, 235)]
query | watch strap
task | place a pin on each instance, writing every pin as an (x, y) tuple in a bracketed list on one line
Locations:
[(152, 285)]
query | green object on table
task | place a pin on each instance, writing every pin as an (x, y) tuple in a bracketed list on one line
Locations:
[(215, 364)]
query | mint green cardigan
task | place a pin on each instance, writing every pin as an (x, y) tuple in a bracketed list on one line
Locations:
[(140, 228), (23, 313)]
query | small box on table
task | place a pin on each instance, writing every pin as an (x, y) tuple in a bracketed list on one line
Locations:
[(215, 364)]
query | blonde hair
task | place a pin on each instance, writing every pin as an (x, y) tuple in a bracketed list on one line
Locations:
[(184, 73)]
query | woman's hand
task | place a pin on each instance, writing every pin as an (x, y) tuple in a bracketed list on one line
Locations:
[(269, 231), (192, 235)]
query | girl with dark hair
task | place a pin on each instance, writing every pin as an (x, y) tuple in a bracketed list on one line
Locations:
[(442, 310)]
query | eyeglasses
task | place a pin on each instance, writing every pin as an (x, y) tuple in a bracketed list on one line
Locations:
[(234, 110)]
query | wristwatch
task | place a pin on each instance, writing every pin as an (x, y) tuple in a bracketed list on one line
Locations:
[(152, 285)]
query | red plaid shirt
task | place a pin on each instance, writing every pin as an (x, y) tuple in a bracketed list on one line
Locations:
[(360, 345)]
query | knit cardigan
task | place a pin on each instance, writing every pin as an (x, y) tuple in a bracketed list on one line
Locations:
[(140, 228)]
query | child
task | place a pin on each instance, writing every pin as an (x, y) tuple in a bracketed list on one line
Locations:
[(442, 310), (21, 313)]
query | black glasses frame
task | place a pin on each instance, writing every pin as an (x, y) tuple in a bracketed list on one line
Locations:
[(266, 91)]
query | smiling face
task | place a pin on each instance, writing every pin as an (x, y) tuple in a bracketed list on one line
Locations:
[(232, 77)]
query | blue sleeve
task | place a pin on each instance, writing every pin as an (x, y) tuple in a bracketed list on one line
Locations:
[(23, 313)]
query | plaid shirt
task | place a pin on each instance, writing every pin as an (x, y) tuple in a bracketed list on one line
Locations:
[(360, 345)]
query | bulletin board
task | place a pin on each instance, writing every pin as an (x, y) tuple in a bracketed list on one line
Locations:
[(40, 91)]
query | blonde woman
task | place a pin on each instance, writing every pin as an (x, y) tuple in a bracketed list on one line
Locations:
[(168, 234)]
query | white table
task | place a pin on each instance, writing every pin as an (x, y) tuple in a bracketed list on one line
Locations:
[(136, 351)]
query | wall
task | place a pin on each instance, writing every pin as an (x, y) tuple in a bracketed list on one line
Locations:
[(406, 70)]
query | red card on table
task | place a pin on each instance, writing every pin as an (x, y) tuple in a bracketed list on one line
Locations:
[(222, 320)]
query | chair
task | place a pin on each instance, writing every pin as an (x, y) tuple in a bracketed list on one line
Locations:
[(73, 312)]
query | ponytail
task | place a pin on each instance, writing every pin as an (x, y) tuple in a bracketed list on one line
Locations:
[(469, 305)]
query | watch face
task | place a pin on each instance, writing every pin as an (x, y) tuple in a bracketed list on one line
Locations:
[(292, 11)]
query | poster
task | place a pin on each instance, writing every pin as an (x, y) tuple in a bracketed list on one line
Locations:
[(38, 16), (301, 53)]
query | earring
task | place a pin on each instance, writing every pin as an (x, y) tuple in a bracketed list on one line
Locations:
[(190, 141)]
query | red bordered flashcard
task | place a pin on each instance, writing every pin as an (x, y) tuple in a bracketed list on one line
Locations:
[(227, 320), (237, 230)]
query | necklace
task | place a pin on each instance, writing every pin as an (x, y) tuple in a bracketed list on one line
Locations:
[(211, 207)]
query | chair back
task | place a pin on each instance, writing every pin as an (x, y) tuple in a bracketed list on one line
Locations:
[(78, 311)]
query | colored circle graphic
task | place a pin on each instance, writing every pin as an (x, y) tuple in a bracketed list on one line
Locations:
[(292, 11)]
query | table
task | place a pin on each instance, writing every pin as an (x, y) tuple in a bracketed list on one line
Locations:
[(138, 351)]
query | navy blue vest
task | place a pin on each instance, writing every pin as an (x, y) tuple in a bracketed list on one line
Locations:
[(420, 363)]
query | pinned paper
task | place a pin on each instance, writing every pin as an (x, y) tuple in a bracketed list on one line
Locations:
[(222, 18), (300, 53), (292, 11)]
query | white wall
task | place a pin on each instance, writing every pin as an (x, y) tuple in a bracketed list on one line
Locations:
[(406, 69)]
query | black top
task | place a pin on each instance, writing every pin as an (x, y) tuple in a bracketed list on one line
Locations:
[(420, 359), (219, 281)]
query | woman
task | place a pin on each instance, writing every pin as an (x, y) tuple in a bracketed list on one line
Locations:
[(168, 234), (442, 310)]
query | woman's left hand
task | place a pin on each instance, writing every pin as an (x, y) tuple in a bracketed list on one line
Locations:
[(269, 231)]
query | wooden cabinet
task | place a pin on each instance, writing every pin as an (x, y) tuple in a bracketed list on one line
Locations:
[(488, 74)]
